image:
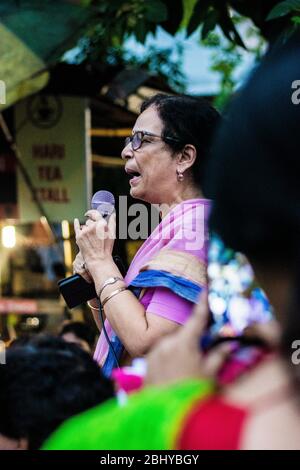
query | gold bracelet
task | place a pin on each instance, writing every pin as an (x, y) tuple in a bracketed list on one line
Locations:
[(115, 292), (93, 308)]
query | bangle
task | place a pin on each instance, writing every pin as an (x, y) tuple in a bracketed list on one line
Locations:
[(115, 292), (108, 282), (93, 308)]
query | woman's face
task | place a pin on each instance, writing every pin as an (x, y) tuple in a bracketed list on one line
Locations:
[(152, 167)]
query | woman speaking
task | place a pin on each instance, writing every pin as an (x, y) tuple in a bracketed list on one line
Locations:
[(165, 158)]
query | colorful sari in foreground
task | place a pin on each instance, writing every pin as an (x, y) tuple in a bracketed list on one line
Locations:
[(173, 258), (151, 419), (188, 415)]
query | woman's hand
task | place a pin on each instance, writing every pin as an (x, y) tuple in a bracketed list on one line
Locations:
[(79, 268), (96, 238), (178, 356)]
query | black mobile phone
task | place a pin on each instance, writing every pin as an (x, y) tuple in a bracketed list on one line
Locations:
[(76, 290)]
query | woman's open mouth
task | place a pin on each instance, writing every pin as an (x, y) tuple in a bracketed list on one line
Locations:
[(134, 176)]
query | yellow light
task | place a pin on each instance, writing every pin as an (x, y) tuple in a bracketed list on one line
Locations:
[(9, 236), (65, 228)]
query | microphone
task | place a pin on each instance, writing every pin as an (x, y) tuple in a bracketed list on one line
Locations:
[(104, 203)]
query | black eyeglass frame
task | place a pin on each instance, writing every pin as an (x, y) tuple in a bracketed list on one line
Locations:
[(129, 140)]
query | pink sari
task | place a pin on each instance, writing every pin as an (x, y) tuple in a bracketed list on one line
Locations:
[(178, 246)]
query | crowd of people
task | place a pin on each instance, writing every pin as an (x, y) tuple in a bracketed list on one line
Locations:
[(242, 171)]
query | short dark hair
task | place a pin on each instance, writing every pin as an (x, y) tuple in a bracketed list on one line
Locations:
[(189, 119), (81, 330), (45, 382)]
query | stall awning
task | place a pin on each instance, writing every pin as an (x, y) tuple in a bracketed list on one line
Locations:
[(33, 36)]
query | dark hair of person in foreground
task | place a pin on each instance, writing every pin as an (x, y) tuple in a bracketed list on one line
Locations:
[(43, 383), (80, 333), (254, 182)]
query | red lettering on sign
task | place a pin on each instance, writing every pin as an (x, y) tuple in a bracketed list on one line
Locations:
[(49, 151), (57, 195), (49, 173)]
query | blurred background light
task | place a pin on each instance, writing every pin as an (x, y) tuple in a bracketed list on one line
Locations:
[(8, 236)]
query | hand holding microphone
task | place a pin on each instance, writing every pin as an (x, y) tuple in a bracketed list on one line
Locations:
[(96, 238), (102, 205)]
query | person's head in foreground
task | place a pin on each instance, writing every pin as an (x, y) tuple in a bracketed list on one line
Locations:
[(79, 333), (43, 383)]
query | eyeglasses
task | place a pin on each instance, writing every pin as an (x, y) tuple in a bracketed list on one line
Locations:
[(136, 139)]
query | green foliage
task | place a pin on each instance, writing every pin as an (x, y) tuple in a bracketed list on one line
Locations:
[(115, 20), (166, 63), (85, 3), (120, 18), (286, 10), (188, 7), (209, 14), (225, 60), (162, 62), (227, 57), (283, 9)]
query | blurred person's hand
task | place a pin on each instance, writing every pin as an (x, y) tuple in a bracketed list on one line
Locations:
[(269, 332), (178, 356)]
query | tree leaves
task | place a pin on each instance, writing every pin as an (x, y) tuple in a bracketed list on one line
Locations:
[(210, 22), (198, 15), (175, 16), (188, 8), (209, 14), (140, 32), (229, 28), (118, 19), (283, 9), (156, 11)]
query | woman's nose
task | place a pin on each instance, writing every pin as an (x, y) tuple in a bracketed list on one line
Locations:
[(127, 152)]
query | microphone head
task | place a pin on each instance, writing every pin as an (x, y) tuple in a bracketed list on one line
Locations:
[(103, 202)]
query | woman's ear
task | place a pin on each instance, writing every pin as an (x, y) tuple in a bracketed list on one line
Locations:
[(186, 158)]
